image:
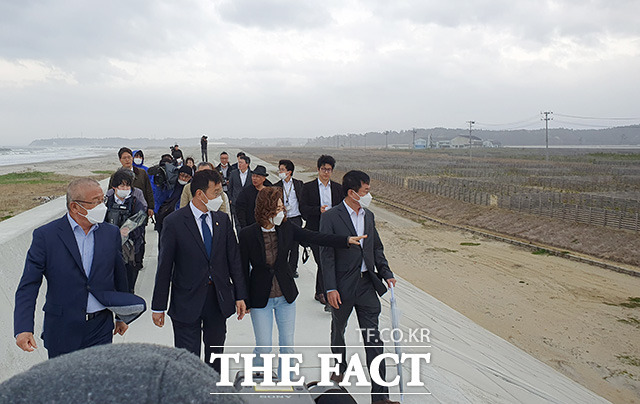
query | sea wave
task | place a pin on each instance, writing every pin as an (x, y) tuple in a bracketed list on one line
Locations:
[(26, 155)]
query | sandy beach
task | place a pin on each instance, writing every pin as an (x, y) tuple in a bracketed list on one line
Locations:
[(574, 317)]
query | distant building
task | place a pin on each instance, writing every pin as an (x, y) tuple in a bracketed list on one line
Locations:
[(443, 144), (461, 141), (491, 143), (420, 144)]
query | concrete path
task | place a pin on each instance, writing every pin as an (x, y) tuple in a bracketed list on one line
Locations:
[(468, 363)]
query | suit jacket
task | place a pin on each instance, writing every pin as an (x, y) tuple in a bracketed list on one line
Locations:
[(142, 182), (341, 268), (246, 205), (235, 185), (54, 254), (310, 202), (184, 267), (297, 188), (252, 251)]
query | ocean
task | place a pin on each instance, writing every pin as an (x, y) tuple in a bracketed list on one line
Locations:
[(24, 155)]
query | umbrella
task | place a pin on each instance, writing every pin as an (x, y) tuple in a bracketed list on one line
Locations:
[(395, 320)]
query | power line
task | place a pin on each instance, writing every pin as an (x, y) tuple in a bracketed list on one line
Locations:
[(601, 119), (535, 117)]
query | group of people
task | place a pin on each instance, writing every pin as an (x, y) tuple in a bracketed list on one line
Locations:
[(229, 242)]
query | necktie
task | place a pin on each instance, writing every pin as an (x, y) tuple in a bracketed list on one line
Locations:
[(206, 234)]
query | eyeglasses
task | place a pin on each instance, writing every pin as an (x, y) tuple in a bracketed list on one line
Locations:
[(326, 170), (93, 203)]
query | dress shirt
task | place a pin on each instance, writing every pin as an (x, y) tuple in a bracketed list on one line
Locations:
[(86, 246), (291, 199), (197, 213), (357, 219), (325, 194), (243, 176)]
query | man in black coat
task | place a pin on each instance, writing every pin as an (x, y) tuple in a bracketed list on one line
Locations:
[(318, 196), (199, 259), (246, 202), (239, 179), (353, 277), (292, 192)]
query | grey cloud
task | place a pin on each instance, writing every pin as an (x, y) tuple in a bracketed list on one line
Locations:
[(276, 14), (63, 31), (529, 20)]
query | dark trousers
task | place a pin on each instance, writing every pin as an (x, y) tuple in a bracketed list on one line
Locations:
[(97, 331), (205, 155), (295, 247), (367, 307), (210, 328), (315, 249), (132, 275)]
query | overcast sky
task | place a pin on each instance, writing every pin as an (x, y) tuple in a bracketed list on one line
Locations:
[(297, 68)]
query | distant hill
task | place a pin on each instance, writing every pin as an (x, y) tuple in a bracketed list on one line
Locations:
[(621, 135), (111, 142)]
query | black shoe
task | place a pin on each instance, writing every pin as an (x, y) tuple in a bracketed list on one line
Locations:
[(320, 297), (296, 274), (327, 308)]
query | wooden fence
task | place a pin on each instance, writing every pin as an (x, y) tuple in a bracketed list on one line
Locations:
[(599, 210)]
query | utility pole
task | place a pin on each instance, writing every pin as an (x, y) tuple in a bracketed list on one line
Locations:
[(386, 142), (365, 141), (546, 120), (470, 124), (414, 138)]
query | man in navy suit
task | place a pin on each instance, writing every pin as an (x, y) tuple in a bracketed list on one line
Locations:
[(81, 257), (200, 261)]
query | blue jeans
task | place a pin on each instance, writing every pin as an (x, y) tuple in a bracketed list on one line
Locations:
[(262, 320)]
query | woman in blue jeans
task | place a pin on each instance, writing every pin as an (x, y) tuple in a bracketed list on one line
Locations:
[(264, 249)]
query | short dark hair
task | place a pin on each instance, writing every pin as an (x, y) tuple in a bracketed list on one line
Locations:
[(354, 180), (240, 153), (202, 178), (124, 150), (246, 159), (326, 159), (190, 158), (224, 152), (123, 176), (166, 158), (288, 164)]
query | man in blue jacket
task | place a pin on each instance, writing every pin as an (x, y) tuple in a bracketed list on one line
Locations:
[(81, 257)]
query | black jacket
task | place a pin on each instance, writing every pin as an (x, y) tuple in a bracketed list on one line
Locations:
[(183, 267), (310, 202), (297, 188), (252, 252), (341, 268), (246, 205)]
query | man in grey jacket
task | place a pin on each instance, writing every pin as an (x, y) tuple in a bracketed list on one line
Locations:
[(353, 277)]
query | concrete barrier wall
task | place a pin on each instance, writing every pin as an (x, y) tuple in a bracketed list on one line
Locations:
[(15, 239)]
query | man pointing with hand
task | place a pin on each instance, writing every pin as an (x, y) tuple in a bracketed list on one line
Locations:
[(353, 276)]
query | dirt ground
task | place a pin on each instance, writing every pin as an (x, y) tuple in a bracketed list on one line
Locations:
[(582, 320)]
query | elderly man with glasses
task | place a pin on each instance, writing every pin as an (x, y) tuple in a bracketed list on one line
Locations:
[(81, 258)]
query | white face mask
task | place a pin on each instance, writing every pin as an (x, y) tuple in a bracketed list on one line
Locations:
[(283, 176), (214, 204), (277, 220), (364, 201), (181, 182), (123, 193), (138, 161), (96, 214)]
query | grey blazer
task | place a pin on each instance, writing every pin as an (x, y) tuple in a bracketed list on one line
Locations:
[(341, 267)]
